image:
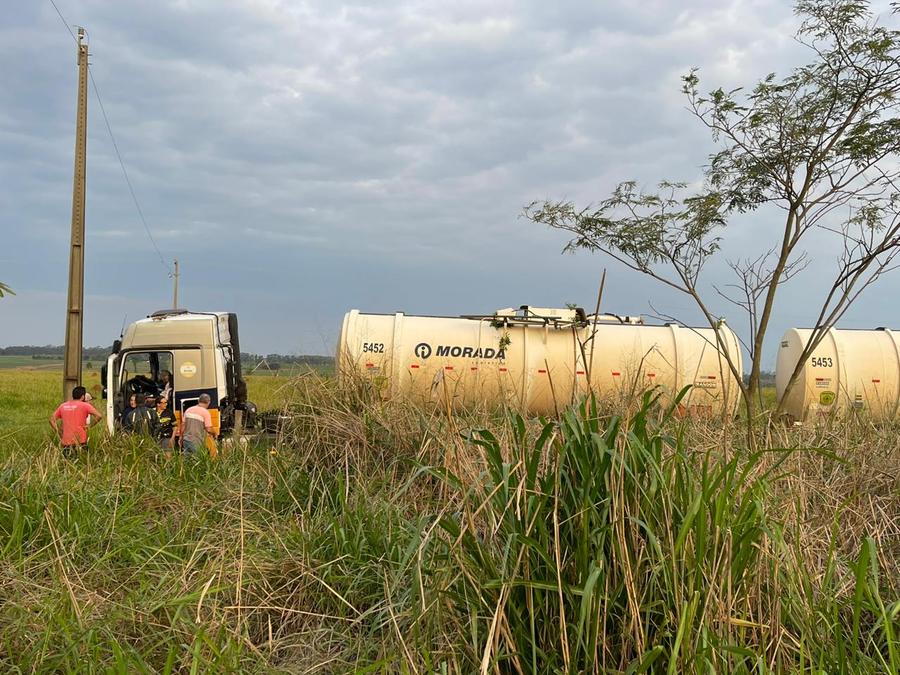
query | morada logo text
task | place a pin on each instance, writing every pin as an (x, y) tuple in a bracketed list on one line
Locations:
[(423, 350)]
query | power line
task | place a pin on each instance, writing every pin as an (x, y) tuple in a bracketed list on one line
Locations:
[(63, 19), (125, 173), (115, 145)]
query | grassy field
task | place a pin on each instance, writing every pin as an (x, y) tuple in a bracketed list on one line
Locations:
[(27, 397), (374, 537), (291, 370), (29, 363)]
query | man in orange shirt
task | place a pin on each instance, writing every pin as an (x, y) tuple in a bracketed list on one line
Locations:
[(74, 415)]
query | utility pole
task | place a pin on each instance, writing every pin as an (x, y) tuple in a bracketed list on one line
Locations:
[(175, 277), (74, 316)]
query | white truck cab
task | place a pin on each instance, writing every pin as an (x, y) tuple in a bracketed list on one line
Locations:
[(201, 353)]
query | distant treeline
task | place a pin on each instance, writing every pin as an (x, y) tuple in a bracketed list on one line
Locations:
[(54, 352), (766, 378), (248, 361)]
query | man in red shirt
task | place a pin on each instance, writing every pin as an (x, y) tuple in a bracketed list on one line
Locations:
[(74, 415)]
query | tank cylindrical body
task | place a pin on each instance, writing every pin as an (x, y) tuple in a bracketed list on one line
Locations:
[(848, 370), (539, 368)]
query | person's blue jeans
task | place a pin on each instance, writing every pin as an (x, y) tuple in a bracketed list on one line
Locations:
[(190, 447)]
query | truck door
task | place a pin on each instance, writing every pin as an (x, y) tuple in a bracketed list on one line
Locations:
[(112, 392), (134, 372)]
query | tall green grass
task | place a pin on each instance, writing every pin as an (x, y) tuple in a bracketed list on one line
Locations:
[(607, 545), (372, 536)]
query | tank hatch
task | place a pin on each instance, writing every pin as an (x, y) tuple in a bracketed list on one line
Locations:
[(637, 320)]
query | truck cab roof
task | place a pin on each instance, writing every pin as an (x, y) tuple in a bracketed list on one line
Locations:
[(178, 327)]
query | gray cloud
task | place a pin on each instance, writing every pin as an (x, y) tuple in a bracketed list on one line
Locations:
[(304, 158)]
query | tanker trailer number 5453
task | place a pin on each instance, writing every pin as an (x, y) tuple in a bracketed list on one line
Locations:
[(821, 362), (373, 347)]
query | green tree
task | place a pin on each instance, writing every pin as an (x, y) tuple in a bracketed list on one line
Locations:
[(821, 145), (5, 290)]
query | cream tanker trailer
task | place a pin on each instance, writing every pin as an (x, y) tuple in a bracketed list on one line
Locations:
[(537, 359), (848, 370)]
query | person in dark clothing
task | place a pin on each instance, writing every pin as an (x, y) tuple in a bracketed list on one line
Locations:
[(131, 405), (141, 419), (166, 422)]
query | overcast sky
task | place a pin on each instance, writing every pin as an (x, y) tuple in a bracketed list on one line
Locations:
[(305, 158)]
